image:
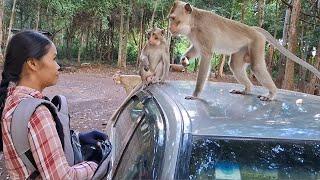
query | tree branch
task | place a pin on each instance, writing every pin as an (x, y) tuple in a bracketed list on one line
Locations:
[(310, 23)]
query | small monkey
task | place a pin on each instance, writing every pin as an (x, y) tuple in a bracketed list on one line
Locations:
[(129, 82), (155, 57), (211, 33)]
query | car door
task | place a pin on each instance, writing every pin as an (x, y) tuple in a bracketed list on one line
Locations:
[(139, 139)]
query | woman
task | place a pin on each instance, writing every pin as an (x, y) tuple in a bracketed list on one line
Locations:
[(30, 66)]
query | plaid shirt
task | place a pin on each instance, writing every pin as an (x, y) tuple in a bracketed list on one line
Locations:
[(44, 141)]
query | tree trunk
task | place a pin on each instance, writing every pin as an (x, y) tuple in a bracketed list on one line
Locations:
[(171, 49), (124, 29), (232, 10), (141, 37), (292, 46), (111, 41), (302, 71), (282, 62), (38, 17), (243, 10), (221, 65), (196, 65), (125, 42), (269, 59), (121, 34), (223, 58), (11, 21), (69, 38), (153, 13), (101, 41), (314, 80), (1, 32), (261, 6), (80, 47)]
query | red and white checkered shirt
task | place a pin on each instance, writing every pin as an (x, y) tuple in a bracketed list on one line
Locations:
[(44, 141)]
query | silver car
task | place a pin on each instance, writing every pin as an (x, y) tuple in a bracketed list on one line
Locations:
[(158, 134)]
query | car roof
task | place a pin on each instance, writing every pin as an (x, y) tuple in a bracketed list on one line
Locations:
[(292, 115)]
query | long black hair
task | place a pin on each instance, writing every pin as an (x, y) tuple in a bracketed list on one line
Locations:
[(22, 46)]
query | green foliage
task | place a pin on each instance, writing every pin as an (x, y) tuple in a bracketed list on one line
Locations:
[(181, 45), (132, 53), (192, 65)]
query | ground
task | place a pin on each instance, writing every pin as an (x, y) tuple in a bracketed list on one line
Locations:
[(93, 96)]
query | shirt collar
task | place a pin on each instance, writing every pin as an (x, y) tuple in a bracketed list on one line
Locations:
[(13, 89)]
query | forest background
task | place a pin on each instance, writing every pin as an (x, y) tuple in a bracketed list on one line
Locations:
[(113, 31)]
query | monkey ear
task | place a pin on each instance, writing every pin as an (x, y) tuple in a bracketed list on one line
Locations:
[(174, 7), (148, 34), (188, 8)]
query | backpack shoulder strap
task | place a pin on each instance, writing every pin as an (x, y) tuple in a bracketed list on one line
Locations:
[(19, 128), (73, 155), (61, 103)]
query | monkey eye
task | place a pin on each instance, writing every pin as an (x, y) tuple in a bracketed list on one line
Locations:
[(172, 18)]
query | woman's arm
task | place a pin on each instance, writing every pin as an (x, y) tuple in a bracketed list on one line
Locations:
[(47, 150)]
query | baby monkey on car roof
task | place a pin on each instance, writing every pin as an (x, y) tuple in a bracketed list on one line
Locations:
[(154, 62), (155, 58)]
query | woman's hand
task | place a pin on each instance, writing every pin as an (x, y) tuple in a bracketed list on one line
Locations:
[(92, 138)]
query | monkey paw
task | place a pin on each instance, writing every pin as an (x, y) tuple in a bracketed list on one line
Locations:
[(264, 98), (191, 98), (238, 92)]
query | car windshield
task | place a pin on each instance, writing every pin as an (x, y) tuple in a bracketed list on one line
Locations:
[(224, 158)]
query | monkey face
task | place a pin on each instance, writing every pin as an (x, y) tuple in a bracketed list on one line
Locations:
[(116, 78), (154, 40), (179, 18), (155, 36)]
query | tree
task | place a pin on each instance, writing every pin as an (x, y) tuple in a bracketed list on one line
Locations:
[(121, 38), (282, 61), (11, 21), (223, 57), (292, 46), (153, 14), (1, 32), (270, 55), (243, 10), (261, 6), (38, 17)]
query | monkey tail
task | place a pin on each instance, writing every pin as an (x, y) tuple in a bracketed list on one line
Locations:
[(286, 52)]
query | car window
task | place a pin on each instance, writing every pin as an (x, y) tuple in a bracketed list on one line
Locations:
[(245, 159), (126, 120), (143, 155)]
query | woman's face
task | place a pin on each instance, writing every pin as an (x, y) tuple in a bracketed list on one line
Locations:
[(48, 71)]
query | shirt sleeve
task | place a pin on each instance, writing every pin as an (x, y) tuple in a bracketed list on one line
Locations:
[(47, 150)]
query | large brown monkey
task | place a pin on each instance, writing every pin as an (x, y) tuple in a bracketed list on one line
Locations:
[(155, 57), (210, 33)]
